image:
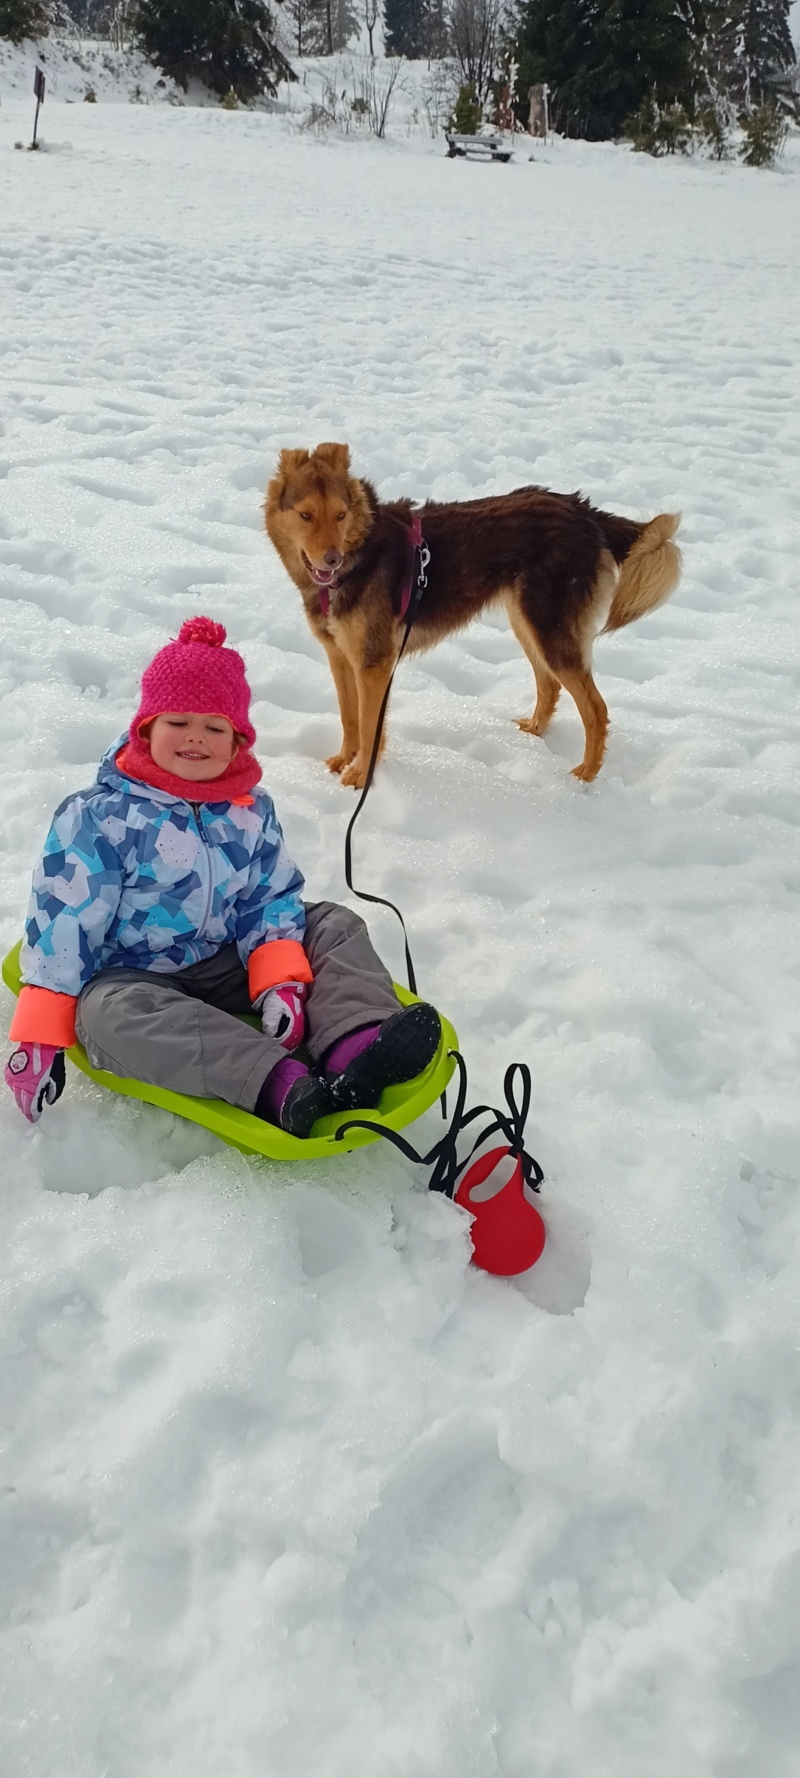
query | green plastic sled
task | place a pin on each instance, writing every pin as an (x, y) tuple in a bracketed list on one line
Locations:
[(398, 1106)]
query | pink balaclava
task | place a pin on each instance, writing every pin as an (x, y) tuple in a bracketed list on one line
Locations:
[(197, 674)]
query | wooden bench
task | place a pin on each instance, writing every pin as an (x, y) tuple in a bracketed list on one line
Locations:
[(483, 147)]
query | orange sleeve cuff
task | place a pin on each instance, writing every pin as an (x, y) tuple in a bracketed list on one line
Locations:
[(279, 960), (42, 1016)]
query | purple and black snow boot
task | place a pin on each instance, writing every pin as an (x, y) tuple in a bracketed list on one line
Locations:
[(293, 1098), (394, 1052)]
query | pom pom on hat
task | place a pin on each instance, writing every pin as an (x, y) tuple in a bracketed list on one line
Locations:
[(202, 629), (197, 673)]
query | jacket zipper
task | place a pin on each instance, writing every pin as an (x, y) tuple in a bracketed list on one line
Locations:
[(209, 872)]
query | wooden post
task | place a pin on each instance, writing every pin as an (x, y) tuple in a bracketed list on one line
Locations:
[(39, 84), (537, 104)]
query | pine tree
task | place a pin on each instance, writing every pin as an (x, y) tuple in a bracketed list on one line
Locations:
[(764, 135), (228, 44), (467, 113), (23, 18), (436, 33), (712, 129), (601, 58), (742, 55), (554, 44), (763, 53), (653, 130), (90, 15), (405, 27), (641, 48), (344, 22), (308, 26)]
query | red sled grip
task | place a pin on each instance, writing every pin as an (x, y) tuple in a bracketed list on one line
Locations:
[(508, 1234)]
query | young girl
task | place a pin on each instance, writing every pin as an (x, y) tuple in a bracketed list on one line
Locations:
[(165, 903)]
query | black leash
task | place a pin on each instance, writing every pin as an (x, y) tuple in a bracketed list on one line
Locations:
[(362, 894), (443, 1157)]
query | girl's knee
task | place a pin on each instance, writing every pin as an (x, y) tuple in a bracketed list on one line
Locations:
[(331, 919), (105, 1002)]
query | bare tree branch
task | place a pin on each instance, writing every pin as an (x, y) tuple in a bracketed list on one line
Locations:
[(475, 27)]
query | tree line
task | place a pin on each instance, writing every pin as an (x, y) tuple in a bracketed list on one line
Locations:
[(611, 66), (230, 45), (607, 61)]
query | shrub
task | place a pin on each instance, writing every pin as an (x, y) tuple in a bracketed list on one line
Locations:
[(712, 131), (674, 130), (653, 130), (467, 115), (765, 132), (641, 128)]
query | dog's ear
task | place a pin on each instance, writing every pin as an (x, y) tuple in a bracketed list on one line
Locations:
[(336, 455), (287, 465), (289, 461)]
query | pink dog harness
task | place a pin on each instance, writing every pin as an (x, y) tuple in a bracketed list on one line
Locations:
[(417, 542)]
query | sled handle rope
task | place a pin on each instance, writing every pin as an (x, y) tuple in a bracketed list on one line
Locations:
[(443, 1157), (420, 548)]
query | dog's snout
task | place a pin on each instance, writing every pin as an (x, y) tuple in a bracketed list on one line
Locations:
[(333, 558)]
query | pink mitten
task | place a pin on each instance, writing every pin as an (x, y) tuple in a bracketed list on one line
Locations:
[(283, 1014), (36, 1074)]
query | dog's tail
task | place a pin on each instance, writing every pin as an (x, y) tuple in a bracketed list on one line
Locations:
[(650, 570)]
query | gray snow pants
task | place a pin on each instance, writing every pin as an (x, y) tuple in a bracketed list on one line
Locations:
[(180, 1030)]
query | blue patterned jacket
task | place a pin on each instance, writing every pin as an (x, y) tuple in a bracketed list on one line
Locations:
[(131, 877)]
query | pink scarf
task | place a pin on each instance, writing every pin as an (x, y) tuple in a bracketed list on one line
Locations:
[(136, 761)]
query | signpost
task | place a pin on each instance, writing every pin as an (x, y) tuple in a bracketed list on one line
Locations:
[(39, 84)]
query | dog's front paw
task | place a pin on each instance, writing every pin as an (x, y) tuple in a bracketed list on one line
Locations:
[(356, 774), (347, 752)]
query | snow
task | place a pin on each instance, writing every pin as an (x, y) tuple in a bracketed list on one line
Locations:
[(287, 1486), (75, 66)]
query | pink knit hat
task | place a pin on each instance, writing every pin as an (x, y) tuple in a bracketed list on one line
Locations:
[(197, 674)]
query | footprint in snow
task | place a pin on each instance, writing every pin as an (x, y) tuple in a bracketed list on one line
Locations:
[(447, 1508), (114, 491), (767, 1209), (560, 1279), (329, 1234)]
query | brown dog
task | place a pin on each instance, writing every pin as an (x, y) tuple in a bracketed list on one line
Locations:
[(564, 571)]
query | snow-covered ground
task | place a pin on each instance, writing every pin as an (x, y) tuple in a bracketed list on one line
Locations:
[(288, 1488), (76, 68)]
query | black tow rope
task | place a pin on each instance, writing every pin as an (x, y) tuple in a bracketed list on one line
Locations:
[(443, 1157), (380, 900)]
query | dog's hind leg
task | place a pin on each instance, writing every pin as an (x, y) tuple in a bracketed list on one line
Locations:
[(567, 652), (548, 687), (593, 713), (347, 694)]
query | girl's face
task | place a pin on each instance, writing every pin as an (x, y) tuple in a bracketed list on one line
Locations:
[(194, 747)]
